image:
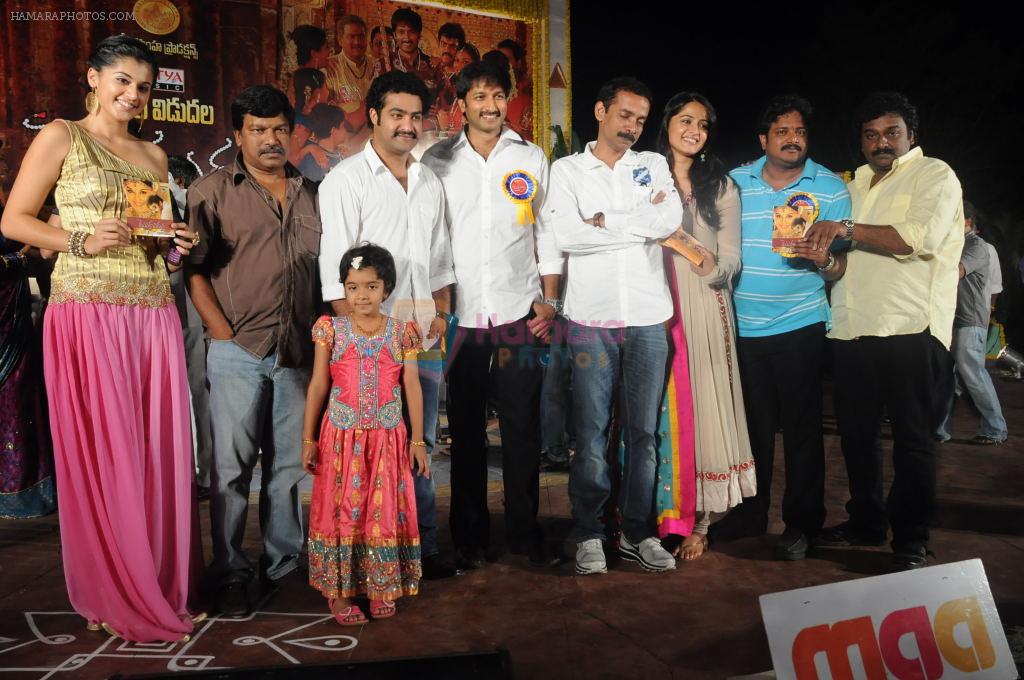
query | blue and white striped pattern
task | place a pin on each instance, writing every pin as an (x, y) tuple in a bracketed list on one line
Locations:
[(775, 294)]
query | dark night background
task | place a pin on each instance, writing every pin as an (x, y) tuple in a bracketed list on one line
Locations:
[(960, 67)]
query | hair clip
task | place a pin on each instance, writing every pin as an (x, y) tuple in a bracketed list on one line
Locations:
[(357, 262)]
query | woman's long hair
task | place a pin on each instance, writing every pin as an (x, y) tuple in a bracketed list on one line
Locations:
[(707, 173)]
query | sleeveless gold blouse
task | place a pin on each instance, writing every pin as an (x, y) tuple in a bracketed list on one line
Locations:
[(88, 190)]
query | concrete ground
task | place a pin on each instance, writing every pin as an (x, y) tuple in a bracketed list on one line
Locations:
[(700, 621)]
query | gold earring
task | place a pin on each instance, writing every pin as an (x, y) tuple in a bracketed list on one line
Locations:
[(92, 104), (140, 119)]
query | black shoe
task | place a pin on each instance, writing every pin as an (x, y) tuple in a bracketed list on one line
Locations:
[(792, 546), (847, 534), (468, 559), (233, 600), (540, 555), (910, 557), (736, 525), (436, 567)]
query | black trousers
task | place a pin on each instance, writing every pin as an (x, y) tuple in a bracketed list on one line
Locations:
[(899, 374), (504, 362), (781, 377)]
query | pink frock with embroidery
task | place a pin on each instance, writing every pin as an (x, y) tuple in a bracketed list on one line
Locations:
[(363, 534)]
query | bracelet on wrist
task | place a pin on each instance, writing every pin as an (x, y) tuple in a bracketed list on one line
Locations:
[(829, 265), (76, 243), (553, 302), (415, 443), (309, 441)]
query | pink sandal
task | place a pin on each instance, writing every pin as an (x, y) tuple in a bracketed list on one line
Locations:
[(382, 609), (351, 615)]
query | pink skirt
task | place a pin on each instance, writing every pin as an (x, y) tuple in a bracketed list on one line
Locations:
[(122, 439)]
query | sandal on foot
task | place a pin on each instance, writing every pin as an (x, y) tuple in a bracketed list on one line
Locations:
[(693, 549), (982, 440), (93, 626), (351, 615), (382, 609)]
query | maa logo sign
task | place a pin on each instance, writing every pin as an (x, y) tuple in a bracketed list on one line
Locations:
[(938, 622), (170, 80)]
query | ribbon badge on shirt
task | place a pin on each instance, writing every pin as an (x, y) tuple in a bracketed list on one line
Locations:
[(520, 187)]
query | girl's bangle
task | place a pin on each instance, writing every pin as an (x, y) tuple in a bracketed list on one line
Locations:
[(309, 441), (412, 443)]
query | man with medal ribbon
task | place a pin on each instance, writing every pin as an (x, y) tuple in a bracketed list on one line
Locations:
[(782, 315), (384, 196), (508, 269)]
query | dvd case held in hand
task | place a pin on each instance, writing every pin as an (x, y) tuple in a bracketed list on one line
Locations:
[(148, 208), (687, 246)]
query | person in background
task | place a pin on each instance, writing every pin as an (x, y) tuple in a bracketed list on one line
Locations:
[(181, 175), (970, 332), (349, 75), (324, 147), (309, 88)]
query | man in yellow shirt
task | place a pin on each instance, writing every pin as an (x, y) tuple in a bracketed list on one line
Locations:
[(892, 316)]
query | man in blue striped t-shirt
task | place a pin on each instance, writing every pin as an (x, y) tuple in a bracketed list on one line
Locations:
[(782, 316)]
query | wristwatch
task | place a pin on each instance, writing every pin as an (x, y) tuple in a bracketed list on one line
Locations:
[(554, 302), (849, 224)]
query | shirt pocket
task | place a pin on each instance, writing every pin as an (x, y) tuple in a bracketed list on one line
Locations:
[(307, 235), (899, 207)]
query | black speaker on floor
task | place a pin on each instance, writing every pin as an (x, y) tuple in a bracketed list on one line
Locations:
[(496, 665)]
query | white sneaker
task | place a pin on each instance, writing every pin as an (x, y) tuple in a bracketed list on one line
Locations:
[(649, 554), (590, 557)]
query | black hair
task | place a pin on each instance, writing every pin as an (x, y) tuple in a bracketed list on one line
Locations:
[(779, 106), (261, 101), (487, 71), (404, 15), (878, 104), (606, 95), (307, 39), (394, 82), (515, 48), (122, 46), (970, 212), (154, 199), (376, 31), (498, 58), (373, 256), (182, 169), (304, 82), (349, 19), (473, 51), (708, 176), (452, 30), (324, 118)]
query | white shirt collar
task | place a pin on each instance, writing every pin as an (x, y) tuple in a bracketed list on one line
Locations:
[(377, 165), (590, 161)]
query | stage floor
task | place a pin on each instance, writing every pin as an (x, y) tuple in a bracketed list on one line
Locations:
[(699, 621)]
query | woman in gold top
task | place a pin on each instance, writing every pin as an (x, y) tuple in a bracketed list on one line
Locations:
[(113, 356)]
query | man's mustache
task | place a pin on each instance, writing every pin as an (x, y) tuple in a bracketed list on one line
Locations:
[(883, 150), (406, 133), (794, 147), (629, 137), (276, 148)]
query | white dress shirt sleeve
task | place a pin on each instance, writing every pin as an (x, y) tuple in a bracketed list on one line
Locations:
[(442, 267), (651, 220), (562, 212), (549, 258), (936, 207), (339, 218)]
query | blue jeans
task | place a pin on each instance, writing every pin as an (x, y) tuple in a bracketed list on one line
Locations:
[(256, 410), (556, 426), (426, 504), (968, 351), (634, 359)]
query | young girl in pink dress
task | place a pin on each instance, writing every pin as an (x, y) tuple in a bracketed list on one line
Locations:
[(363, 535)]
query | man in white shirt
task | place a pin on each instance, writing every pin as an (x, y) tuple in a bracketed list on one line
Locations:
[(607, 206), (893, 312), (384, 196), (494, 184)]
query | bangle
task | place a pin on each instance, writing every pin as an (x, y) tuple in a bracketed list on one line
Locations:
[(412, 443), (309, 441), (829, 264), (76, 243)]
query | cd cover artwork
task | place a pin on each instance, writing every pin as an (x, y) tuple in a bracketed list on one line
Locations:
[(791, 221), (148, 208)]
